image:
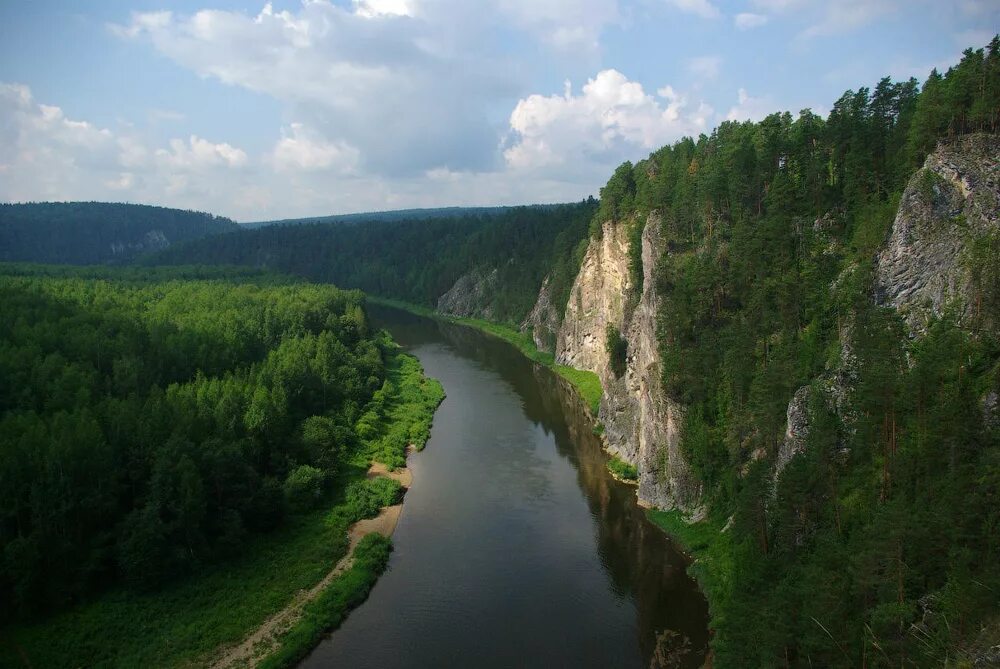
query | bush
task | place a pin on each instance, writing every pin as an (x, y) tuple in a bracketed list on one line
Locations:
[(622, 470), (617, 349), (304, 487), (366, 498)]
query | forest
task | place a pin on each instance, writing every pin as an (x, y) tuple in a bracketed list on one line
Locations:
[(88, 233), (151, 427), (417, 260), (879, 546)]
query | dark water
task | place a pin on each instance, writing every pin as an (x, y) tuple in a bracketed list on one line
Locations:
[(516, 548)]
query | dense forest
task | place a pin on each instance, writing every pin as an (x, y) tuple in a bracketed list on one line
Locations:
[(418, 260), (395, 215), (82, 233), (879, 545), (150, 426)]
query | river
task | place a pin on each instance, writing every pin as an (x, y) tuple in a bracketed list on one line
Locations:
[(516, 547)]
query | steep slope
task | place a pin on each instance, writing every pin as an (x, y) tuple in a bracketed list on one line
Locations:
[(85, 233), (642, 426), (948, 205)]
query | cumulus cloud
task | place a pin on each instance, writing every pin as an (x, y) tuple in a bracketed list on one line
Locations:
[(610, 119), (301, 149), (750, 108), (702, 8), (48, 156), (749, 20)]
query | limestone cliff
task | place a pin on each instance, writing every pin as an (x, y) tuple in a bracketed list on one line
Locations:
[(642, 426), (543, 320), (923, 268), (951, 201), (471, 295)]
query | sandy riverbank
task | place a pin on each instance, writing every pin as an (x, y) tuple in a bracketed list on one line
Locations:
[(264, 639)]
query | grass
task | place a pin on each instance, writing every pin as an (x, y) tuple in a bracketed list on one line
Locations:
[(331, 607), (185, 622), (586, 383), (622, 470), (713, 563)]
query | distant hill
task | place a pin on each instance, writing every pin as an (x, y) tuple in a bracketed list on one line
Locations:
[(397, 215), (86, 233)]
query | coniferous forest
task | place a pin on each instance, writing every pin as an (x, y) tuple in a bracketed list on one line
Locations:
[(161, 422)]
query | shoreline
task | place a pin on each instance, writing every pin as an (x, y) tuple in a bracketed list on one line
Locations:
[(264, 641)]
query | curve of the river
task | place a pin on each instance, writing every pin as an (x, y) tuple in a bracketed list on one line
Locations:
[(516, 547)]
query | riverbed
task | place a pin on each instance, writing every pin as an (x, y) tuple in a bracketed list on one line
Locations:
[(516, 547)]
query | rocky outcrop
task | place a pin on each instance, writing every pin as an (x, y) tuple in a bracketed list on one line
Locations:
[(952, 200), (154, 240), (471, 296), (642, 426), (543, 320), (796, 430), (596, 300)]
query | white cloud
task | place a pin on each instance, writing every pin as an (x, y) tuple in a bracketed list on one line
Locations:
[(564, 24), (750, 108), (610, 119), (379, 8), (705, 67), (748, 20), (302, 149), (198, 153), (702, 8)]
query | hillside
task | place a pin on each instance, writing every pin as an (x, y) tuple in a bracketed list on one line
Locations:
[(87, 233), (395, 215), (421, 260), (794, 322)]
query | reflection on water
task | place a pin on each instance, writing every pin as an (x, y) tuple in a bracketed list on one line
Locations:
[(516, 547)]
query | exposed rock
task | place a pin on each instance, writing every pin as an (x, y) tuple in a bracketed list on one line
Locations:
[(543, 320), (642, 427), (991, 410), (471, 296), (154, 240), (596, 300), (796, 431), (953, 199)]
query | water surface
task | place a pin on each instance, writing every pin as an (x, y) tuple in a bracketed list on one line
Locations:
[(516, 548)]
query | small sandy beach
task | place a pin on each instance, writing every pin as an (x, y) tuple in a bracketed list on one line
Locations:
[(264, 639)]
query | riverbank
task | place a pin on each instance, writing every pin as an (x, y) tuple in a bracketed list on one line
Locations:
[(587, 384), (289, 635), (186, 623)]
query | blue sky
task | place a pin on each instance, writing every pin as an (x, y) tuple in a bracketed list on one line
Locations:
[(293, 108)]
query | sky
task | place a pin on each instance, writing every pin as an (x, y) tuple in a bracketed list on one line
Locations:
[(294, 108)]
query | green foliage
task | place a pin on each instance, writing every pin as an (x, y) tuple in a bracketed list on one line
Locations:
[(366, 497), (145, 426), (84, 233), (617, 349), (304, 487), (329, 610), (622, 470), (772, 228), (251, 574), (418, 260)]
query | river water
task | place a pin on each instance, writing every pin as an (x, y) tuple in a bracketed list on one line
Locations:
[(516, 547)]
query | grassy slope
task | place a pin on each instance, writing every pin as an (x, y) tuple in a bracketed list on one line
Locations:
[(712, 550), (586, 383), (220, 605)]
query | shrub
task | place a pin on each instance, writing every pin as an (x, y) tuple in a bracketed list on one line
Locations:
[(304, 487)]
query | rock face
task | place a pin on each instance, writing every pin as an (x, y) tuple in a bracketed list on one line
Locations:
[(471, 296), (953, 199), (641, 425), (543, 321), (154, 240)]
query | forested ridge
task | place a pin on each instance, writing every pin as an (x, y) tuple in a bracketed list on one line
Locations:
[(152, 426), (417, 260), (82, 233), (879, 544)]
